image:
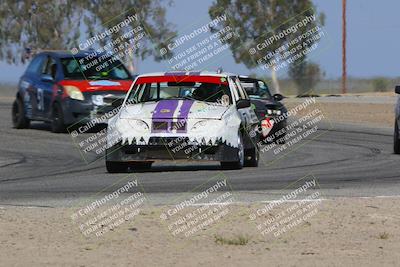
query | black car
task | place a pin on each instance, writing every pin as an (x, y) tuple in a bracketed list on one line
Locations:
[(64, 88), (268, 109)]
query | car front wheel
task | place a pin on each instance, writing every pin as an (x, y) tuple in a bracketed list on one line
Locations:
[(281, 140), (236, 165), (253, 156), (57, 119), (18, 115)]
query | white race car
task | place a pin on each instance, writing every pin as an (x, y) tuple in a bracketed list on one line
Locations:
[(183, 116)]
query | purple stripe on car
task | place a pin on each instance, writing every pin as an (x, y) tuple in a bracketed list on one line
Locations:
[(183, 115), (163, 113)]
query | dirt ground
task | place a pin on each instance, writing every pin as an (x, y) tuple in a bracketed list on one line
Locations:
[(379, 115), (372, 114), (342, 232)]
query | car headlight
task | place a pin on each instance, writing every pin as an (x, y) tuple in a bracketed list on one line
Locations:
[(139, 124), (205, 125), (132, 125), (73, 92), (274, 112), (198, 126)]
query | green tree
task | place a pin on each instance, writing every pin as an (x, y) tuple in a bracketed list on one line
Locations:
[(255, 20), (46, 24), (106, 13), (36, 24), (305, 75)]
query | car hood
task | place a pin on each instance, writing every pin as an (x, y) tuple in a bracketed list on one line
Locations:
[(262, 103), (174, 109), (99, 85)]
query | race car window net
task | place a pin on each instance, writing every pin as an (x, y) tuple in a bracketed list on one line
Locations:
[(82, 69), (200, 91), (257, 89)]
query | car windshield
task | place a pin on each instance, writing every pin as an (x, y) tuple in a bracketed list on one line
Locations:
[(256, 89), (94, 69), (200, 91)]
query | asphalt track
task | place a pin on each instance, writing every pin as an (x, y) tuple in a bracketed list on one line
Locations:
[(40, 168)]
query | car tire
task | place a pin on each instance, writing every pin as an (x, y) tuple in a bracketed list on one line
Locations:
[(116, 167), (254, 155), (281, 139), (20, 121), (57, 119), (236, 165), (141, 165), (396, 141)]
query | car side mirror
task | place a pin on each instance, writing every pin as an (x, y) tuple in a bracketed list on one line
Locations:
[(114, 101), (278, 97), (117, 102), (397, 89), (47, 78), (243, 103)]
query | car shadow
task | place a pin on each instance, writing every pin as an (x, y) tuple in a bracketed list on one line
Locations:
[(40, 126), (180, 168)]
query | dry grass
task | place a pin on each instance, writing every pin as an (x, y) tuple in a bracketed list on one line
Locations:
[(239, 240), (384, 235)]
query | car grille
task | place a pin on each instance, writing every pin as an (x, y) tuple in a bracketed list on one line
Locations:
[(179, 126), (160, 126), (168, 126)]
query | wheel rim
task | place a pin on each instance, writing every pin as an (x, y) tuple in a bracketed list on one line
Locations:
[(240, 150)]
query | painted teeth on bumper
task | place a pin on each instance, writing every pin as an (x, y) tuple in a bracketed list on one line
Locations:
[(158, 150)]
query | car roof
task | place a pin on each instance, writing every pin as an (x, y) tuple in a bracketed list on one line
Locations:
[(248, 79), (66, 53), (187, 73)]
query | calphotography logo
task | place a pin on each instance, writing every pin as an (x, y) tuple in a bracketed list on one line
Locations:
[(122, 36), (285, 133), (201, 45), (290, 43), (297, 205), (201, 209), (108, 211)]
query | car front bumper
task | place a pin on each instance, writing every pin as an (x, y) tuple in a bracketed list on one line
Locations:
[(82, 112), (159, 149), (275, 128)]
